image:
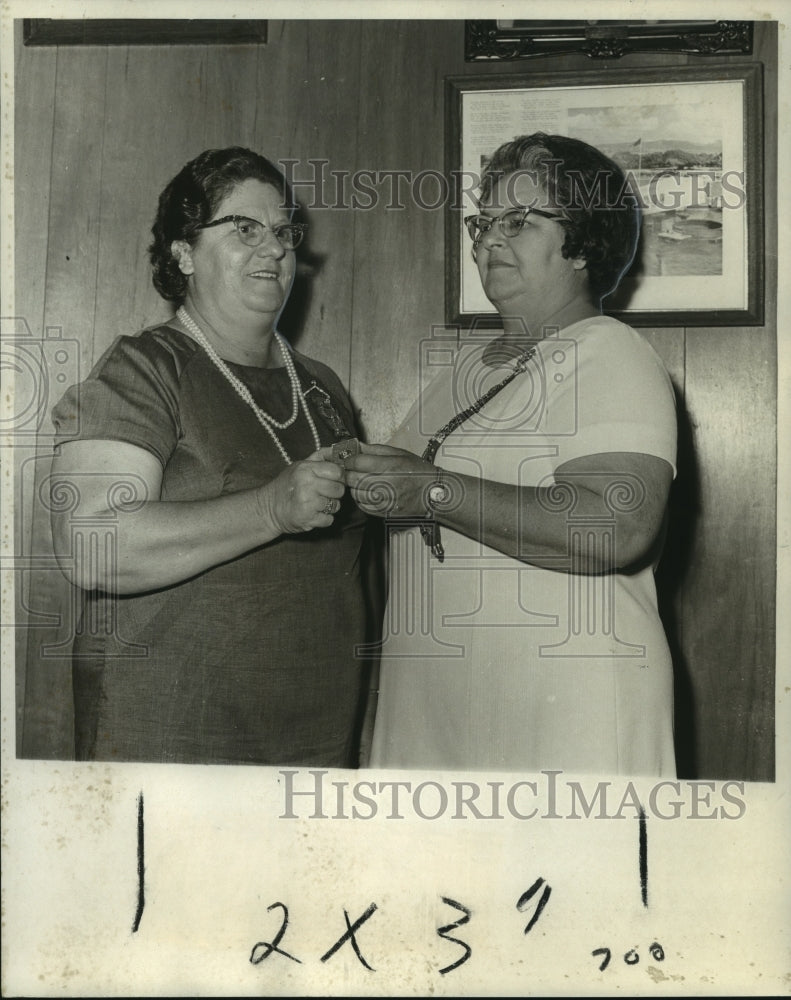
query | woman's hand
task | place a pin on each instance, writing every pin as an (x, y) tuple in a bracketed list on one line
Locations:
[(157, 543), (387, 481), (622, 496), (305, 495)]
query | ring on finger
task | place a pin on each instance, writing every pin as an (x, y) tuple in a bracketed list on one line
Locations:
[(329, 507)]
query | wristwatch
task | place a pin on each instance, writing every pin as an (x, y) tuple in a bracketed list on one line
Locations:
[(438, 493)]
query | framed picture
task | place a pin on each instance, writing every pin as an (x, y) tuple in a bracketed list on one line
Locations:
[(141, 31), (495, 40), (689, 140)]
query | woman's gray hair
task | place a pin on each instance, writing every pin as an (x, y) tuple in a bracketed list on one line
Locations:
[(600, 204)]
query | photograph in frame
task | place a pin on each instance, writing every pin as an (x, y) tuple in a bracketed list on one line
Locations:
[(695, 167)]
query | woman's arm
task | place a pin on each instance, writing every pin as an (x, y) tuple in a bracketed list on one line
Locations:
[(160, 543), (615, 495)]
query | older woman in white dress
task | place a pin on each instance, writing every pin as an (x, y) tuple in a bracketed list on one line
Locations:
[(525, 634)]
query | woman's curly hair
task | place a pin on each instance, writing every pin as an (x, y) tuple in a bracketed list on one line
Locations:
[(191, 199), (601, 208)]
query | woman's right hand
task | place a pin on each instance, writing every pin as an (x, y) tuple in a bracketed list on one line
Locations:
[(159, 542), (305, 495)]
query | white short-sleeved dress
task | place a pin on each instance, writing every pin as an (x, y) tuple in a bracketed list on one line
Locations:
[(489, 662)]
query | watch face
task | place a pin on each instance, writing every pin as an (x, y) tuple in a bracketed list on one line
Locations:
[(437, 493)]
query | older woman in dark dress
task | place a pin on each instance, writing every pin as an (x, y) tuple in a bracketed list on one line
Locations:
[(220, 624)]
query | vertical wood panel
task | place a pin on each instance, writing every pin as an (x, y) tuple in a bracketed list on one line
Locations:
[(231, 96), (34, 122), (399, 261), (668, 342), (145, 144), (69, 304), (280, 109), (318, 123), (727, 599), (77, 151)]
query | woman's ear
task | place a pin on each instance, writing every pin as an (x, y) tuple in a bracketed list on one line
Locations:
[(182, 251), (579, 263)]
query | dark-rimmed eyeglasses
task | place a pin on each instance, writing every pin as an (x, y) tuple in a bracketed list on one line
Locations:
[(251, 232), (510, 223)]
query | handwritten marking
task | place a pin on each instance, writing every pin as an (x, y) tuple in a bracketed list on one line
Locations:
[(632, 957), (607, 956), (525, 898), (443, 933), (272, 946), (141, 866), (643, 857), (349, 936)]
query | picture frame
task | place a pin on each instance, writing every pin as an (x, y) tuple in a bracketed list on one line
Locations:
[(142, 31), (690, 140), (508, 39)]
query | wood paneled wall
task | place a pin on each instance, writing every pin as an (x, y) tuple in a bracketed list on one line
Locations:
[(100, 130)]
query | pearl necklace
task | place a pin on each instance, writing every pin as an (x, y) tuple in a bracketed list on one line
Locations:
[(267, 421)]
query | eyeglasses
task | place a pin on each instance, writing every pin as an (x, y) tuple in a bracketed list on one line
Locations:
[(251, 232), (510, 223)]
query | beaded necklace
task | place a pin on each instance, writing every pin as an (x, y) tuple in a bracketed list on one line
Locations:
[(267, 421), (429, 528), (520, 365)]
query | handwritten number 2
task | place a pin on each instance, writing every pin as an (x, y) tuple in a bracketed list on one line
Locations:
[(256, 956)]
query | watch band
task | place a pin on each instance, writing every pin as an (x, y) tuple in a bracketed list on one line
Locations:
[(437, 494)]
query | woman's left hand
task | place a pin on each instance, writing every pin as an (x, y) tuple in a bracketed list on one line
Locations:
[(389, 482)]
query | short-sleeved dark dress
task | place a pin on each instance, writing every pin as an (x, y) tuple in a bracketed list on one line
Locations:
[(252, 661)]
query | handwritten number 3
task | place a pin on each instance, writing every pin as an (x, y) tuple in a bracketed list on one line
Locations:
[(443, 933)]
